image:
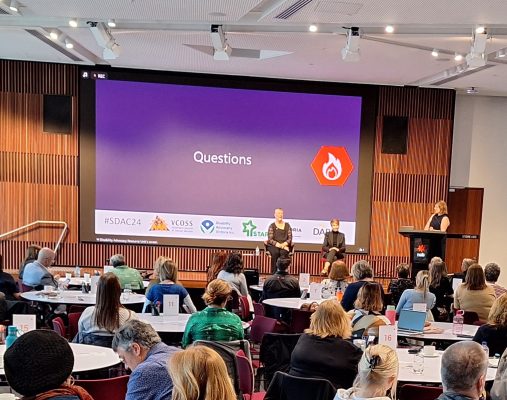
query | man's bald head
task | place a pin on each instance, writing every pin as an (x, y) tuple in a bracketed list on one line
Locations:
[(46, 256)]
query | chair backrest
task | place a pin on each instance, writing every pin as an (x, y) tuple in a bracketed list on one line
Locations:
[(251, 276), (469, 317), (287, 387), (106, 389), (74, 308), (244, 308), (410, 392), (246, 375), (233, 304), (73, 324), (260, 326), (259, 309), (93, 339), (300, 320), (275, 353), (25, 288), (59, 327)]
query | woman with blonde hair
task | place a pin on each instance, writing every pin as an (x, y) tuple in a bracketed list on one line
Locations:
[(377, 376), (474, 294), (168, 275), (494, 332), (199, 373), (439, 221), (214, 322), (323, 351), (420, 294), (366, 316), (337, 281), (154, 277)]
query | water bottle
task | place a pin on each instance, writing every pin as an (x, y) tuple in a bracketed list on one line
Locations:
[(457, 323), (257, 251), (391, 314), (77, 271), (485, 348), (339, 294), (12, 335)]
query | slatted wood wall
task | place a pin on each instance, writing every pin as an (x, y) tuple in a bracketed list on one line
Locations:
[(39, 175)]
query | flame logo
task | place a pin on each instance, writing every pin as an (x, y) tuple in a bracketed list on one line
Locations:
[(332, 169)]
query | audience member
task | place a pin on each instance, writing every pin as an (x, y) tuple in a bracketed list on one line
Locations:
[(279, 241), (465, 264), (8, 285), (155, 276), (279, 285), (474, 294), (142, 351), (499, 388), (337, 280), (362, 273), (463, 371), (126, 275), (168, 275), (37, 275), (217, 263), (367, 317), (492, 272), (333, 246), (441, 288), (31, 254), (199, 373), (233, 273), (494, 332), (398, 286), (377, 376), (38, 366), (98, 323), (420, 294), (214, 322), (323, 351)]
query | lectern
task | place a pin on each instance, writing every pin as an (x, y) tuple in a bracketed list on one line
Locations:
[(424, 245)]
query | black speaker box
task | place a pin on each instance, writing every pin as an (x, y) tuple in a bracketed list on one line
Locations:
[(57, 114), (394, 135)]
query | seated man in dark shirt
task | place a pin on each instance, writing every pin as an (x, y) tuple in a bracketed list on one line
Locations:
[(280, 285)]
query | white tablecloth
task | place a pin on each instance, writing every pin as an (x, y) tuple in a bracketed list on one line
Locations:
[(446, 335), (76, 297), (293, 303)]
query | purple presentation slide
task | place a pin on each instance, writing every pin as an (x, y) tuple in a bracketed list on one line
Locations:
[(220, 151)]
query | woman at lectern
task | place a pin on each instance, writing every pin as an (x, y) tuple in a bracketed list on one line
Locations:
[(440, 220), (279, 243)]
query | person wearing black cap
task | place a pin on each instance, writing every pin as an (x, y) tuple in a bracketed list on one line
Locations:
[(38, 366)]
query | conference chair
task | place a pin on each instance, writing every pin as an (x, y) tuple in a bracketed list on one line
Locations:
[(287, 387), (275, 354), (411, 392), (300, 321), (59, 327), (246, 379), (106, 389), (73, 324)]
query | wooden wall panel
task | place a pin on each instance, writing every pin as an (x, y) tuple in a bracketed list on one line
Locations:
[(39, 175)]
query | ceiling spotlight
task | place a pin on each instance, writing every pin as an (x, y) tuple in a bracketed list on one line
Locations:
[(350, 52), (53, 35), (480, 29), (73, 22), (111, 23), (434, 53), (69, 44), (458, 57), (500, 53), (14, 6), (313, 28), (472, 90), (389, 29)]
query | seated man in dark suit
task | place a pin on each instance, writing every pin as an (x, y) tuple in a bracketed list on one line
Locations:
[(280, 285), (333, 246)]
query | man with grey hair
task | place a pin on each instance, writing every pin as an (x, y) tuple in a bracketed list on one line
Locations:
[(125, 274), (362, 273), (492, 272), (142, 351), (36, 274), (463, 370)]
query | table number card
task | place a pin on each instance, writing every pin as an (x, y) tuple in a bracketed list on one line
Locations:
[(421, 307), (304, 280), (94, 280), (171, 304), (315, 291), (24, 322), (388, 336)]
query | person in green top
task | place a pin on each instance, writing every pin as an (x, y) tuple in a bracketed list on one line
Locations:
[(214, 323), (125, 274)]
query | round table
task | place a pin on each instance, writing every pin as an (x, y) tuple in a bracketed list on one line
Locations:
[(294, 303), (446, 335), (257, 288), (172, 323), (431, 373), (76, 297), (86, 357), (74, 281)]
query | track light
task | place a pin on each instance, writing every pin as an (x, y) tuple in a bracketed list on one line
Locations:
[(53, 35), (476, 57), (434, 53), (350, 53), (14, 6), (73, 22), (221, 49), (458, 57), (313, 28), (69, 44), (480, 30), (389, 29), (104, 38), (111, 23), (472, 90), (500, 54)]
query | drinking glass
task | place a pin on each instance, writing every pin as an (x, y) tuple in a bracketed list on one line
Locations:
[(418, 365)]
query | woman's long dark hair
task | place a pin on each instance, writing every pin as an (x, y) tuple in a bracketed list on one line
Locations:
[(107, 308)]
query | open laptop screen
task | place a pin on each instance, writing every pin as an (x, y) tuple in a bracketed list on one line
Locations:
[(411, 320)]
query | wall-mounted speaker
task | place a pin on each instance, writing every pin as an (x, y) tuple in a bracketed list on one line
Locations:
[(57, 114), (394, 135)]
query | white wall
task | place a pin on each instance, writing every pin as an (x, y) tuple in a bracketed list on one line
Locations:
[(479, 159)]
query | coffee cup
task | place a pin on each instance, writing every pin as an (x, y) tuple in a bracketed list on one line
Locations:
[(429, 351), (68, 276), (48, 288)]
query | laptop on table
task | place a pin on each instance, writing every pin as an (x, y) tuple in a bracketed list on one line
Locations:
[(411, 322)]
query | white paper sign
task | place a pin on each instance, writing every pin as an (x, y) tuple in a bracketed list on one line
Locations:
[(94, 280), (421, 307), (387, 335), (456, 282), (171, 304), (24, 322), (315, 291), (304, 280), (108, 268)]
